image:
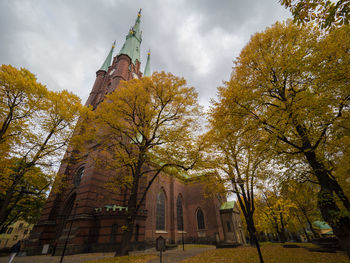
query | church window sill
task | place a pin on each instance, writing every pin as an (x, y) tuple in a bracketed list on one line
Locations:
[(161, 232)]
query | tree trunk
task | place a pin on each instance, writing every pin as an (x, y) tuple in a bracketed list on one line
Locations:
[(254, 240), (332, 215), (306, 235), (330, 211), (281, 236), (310, 225), (19, 172), (124, 248), (283, 230), (4, 213), (248, 211)]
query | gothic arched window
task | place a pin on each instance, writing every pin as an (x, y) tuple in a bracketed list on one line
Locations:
[(78, 175), (200, 219), (160, 217), (179, 213)]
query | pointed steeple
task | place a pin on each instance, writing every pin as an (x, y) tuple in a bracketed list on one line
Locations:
[(133, 40), (108, 60), (147, 72)]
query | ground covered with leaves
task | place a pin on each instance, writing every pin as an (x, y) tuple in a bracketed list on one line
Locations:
[(125, 259), (272, 253)]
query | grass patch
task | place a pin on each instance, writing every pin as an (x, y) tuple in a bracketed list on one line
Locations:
[(124, 259), (272, 253)]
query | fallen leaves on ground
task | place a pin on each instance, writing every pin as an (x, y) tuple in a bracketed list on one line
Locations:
[(271, 253)]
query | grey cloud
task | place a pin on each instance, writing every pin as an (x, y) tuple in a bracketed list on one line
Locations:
[(65, 42)]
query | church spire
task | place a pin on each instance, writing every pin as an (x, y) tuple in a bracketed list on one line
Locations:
[(147, 72), (108, 60), (133, 40)]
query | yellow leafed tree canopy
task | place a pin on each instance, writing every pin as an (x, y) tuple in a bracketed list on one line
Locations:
[(35, 127), (291, 84), (144, 127), (154, 119)]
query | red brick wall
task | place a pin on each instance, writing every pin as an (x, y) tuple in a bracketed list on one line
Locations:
[(192, 197), (91, 230)]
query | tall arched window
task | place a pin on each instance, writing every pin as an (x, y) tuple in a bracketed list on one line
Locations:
[(179, 213), (200, 219), (78, 175), (160, 217)]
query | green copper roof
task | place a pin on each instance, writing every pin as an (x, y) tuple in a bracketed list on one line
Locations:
[(147, 72), (108, 60), (227, 205), (133, 40), (321, 225)]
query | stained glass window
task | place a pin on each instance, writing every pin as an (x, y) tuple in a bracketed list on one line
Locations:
[(160, 217), (179, 212), (78, 175), (200, 219)]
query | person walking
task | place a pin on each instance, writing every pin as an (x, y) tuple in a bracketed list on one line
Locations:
[(14, 250)]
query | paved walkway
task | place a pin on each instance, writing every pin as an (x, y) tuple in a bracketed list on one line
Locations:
[(169, 256), (67, 259), (176, 255)]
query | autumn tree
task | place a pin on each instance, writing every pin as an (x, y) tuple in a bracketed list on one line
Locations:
[(28, 198), (303, 195), (274, 212), (326, 13), (287, 207), (145, 126), (36, 125), (235, 153), (293, 83)]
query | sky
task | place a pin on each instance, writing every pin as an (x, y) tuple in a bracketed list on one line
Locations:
[(64, 42)]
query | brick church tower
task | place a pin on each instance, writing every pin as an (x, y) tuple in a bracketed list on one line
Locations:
[(89, 217)]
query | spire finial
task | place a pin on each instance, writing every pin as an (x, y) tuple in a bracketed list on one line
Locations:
[(108, 60), (147, 71), (133, 40)]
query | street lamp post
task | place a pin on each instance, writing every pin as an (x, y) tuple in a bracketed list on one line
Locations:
[(70, 228), (182, 235)]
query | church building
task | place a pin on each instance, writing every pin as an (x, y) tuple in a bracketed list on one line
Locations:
[(90, 217)]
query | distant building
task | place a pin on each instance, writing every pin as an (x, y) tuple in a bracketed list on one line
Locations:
[(322, 228), (232, 223), (174, 207), (17, 231)]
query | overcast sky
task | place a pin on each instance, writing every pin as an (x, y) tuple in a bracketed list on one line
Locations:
[(64, 42)]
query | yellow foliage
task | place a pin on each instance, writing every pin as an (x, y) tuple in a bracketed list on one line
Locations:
[(142, 128), (35, 127), (290, 86), (148, 122)]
